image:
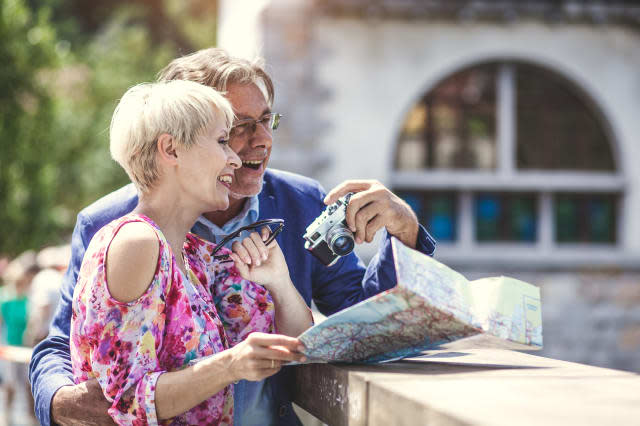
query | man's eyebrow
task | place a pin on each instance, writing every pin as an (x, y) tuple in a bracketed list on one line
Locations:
[(241, 116)]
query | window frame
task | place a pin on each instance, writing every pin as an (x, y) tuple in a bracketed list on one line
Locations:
[(506, 177)]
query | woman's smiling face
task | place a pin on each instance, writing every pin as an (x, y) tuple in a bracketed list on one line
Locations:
[(207, 168)]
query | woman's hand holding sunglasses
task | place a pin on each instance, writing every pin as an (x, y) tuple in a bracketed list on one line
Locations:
[(260, 263)]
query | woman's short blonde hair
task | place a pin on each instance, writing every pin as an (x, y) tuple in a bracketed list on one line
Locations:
[(182, 109)]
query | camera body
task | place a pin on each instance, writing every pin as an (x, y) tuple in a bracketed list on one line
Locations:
[(328, 237)]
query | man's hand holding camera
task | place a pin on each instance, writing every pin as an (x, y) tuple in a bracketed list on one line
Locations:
[(373, 206)]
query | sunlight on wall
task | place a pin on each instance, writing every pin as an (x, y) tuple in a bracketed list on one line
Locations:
[(240, 29)]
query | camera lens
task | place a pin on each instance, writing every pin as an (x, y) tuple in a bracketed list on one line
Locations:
[(343, 245), (341, 241)]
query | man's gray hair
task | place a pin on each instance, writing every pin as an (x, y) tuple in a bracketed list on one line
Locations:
[(214, 67)]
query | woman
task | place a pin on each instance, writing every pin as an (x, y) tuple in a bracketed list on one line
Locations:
[(143, 308)]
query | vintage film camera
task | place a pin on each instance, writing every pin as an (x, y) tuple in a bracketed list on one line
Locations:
[(328, 237)]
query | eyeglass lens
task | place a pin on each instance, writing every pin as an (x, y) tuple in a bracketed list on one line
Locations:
[(270, 121)]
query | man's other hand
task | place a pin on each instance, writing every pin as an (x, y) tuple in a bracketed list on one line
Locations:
[(82, 404), (374, 206)]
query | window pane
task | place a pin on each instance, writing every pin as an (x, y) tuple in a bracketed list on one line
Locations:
[(437, 211), (585, 218), (453, 126), (557, 127), (505, 217)]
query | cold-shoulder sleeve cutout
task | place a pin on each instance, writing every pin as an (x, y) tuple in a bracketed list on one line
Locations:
[(132, 260)]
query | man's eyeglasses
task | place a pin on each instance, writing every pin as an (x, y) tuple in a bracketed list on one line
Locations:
[(248, 126), (275, 227)]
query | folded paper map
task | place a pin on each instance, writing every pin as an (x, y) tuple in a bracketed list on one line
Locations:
[(430, 305)]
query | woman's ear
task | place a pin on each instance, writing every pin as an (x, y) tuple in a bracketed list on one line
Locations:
[(167, 148)]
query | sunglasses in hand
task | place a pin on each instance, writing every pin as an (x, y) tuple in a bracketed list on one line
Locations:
[(275, 227)]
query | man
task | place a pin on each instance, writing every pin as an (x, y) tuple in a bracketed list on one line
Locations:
[(256, 193)]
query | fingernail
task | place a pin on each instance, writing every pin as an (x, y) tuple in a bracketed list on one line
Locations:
[(303, 359), (247, 260), (264, 256)]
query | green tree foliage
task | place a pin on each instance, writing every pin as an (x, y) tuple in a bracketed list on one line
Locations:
[(27, 163), (63, 68)]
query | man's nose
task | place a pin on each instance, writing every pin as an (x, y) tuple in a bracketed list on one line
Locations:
[(262, 137)]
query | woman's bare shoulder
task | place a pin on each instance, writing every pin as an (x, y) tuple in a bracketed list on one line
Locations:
[(131, 261)]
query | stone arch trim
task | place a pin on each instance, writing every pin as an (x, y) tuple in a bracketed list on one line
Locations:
[(577, 82)]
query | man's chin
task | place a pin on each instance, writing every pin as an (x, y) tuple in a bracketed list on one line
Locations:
[(239, 194)]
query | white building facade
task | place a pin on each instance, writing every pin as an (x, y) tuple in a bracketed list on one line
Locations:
[(513, 130)]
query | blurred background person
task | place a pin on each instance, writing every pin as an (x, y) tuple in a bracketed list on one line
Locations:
[(14, 308), (45, 292)]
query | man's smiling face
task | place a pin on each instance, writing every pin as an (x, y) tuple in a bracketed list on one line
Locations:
[(253, 147)]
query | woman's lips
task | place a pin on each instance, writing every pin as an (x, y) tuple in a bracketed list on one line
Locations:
[(226, 180)]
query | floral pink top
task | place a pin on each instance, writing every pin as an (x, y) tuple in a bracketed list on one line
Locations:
[(127, 346)]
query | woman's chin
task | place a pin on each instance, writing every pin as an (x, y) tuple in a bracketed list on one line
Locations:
[(221, 198), (222, 203)]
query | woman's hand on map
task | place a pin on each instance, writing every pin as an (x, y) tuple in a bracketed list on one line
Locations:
[(261, 355)]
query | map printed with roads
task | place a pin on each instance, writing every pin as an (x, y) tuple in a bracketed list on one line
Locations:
[(430, 305)]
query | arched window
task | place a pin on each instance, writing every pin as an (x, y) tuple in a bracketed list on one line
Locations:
[(509, 153)]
